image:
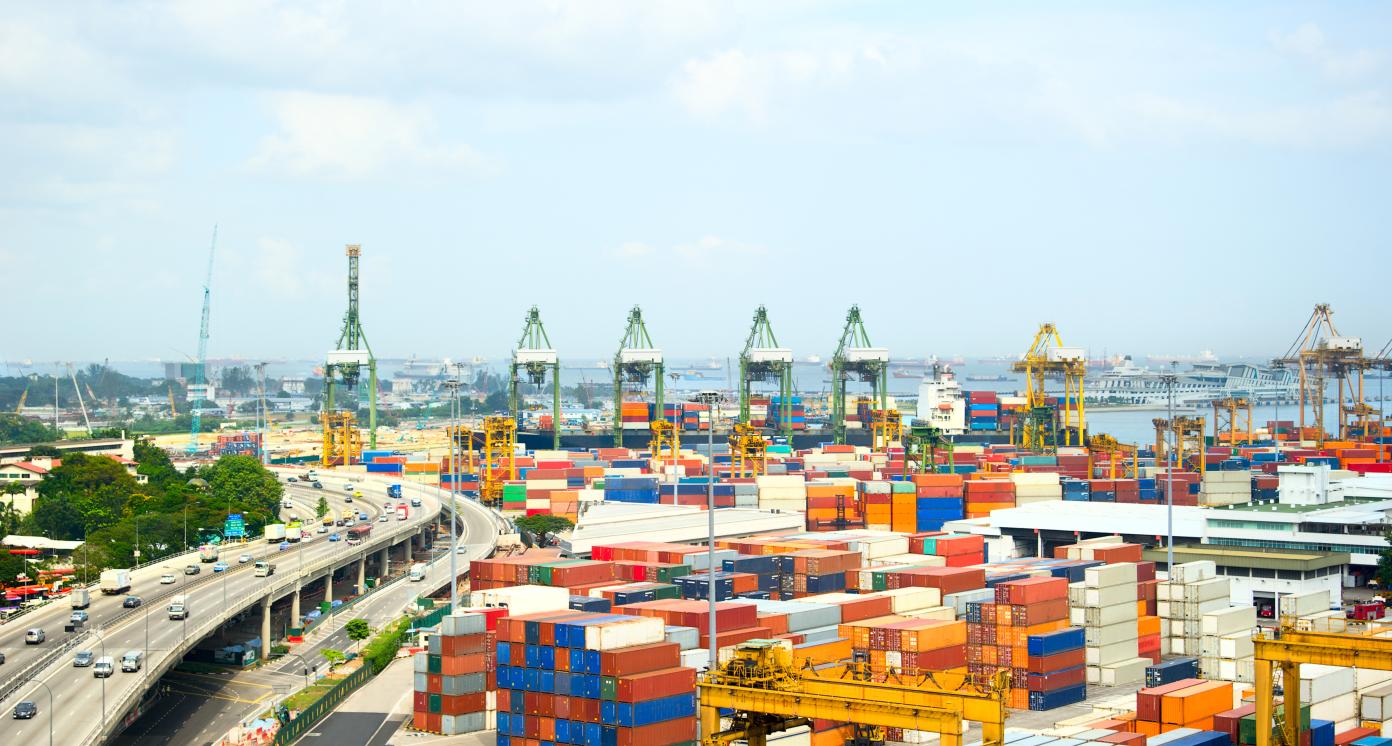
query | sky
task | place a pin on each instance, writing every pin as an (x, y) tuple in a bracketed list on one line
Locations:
[(1151, 177)]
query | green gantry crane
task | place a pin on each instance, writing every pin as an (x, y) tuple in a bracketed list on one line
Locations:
[(353, 353), (762, 360), (855, 357), (535, 355), (635, 361)]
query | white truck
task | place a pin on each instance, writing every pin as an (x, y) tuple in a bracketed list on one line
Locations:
[(417, 572), (208, 553), (179, 607), (275, 533), (81, 599), (115, 582)]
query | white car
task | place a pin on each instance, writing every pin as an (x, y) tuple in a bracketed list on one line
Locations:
[(168, 579), (242, 559)]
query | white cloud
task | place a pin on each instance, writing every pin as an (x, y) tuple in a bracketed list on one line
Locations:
[(354, 137), (1309, 42)]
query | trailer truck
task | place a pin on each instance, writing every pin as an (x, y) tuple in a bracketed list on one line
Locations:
[(275, 533), (115, 582)]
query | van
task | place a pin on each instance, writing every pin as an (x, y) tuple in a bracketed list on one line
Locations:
[(417, 572), (103, 667), (264, 569), (131, 661)]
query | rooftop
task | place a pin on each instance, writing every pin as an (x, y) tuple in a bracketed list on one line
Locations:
[(39, 542), (1293, 509), (1273, 559)]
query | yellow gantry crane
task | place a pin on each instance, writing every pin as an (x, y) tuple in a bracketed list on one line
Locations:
[(665, 436), (1123, 454), (342, 439), (1232, 421), (497, 459), (1287, 648), (1188, 434), (1046, 427), (1320, 354), (748, 451), (886, 427), (770, 692)]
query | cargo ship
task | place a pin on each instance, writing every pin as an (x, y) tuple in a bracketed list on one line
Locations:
[(1130, 385)]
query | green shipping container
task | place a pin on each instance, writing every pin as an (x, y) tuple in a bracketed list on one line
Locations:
[(1247, 728), (608, 687), (663, 592), (433, 664), (902, 488), (877, 581), (668, 574), (433, 706)]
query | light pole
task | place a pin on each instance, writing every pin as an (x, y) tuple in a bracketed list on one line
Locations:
[(51, 711), (1169, 381), (101, 640), (452, 385), (711, 399)]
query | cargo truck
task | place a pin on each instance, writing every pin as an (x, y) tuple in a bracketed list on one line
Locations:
[(179, 608), (417, 572), (114, 582), (394, 490), (402, 512), (207, 553), (275, 533), (81, 599), (293, 531), (264, 569)]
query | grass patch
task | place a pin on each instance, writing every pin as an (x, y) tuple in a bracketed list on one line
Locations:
[(310, 694)]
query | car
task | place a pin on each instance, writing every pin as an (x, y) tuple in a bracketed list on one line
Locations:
[(192, 569), (282, 546), (348, 498), (292, 479), (220, 567), (333, 537), (131, 602), (34, 636), (25, 710), (339, 522), (83, 659), (322, 530), (2, 658), (78, 616), (318, 485), (382, 518), (243, 558), (168, 578)]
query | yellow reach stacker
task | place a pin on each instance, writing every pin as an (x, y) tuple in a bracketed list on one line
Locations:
[(769, 692)]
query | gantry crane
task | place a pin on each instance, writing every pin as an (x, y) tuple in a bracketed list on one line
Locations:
[(344, 368), (1188, 436), (536, 356), (636, 360), (1046, 427), (748, 451), (762, 360), (665, 436), (497, 458), (200, 390), (769, 691), (921, 445), (855, 357), (886, 427), (342, 439), (1320, 354), (1288, 647), (1123, 453), (1232, 420)]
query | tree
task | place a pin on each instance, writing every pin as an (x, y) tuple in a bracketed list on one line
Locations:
[(91, 490), (247, 486), (357, 631), (1384, 565), (541, 525), (238, 380), (15, 428), (334, 657), (321, 508)]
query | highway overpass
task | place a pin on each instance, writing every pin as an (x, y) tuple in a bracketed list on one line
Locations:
[(77, 708)]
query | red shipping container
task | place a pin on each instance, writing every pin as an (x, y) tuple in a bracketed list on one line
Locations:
[(639, 659), (460, 704), (1230, 722), (1148, 700), (461, 644), (420, 701), (1057, 661), (664, 733), (1032, 590), (655, 684), (458, 665), (1127, 739), (434, 683), (940, 659), (1044, 682)]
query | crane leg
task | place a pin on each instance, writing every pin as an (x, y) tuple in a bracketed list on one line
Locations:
[(1290, 685), (1265, 710)]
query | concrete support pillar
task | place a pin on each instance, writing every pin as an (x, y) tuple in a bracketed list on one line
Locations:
[(328, 586), (295, 616), (362, 575), (407, 545), (386, 561), (265, 625)]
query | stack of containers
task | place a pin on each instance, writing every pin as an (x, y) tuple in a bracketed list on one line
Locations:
[(1309, 610), (1023, 609), (1226, 644), (514, 496), (696, 417), (833, 505), (794, 409), (1226, 487), (785, 492), (879, 505), (957, 550), (985, 495), (1185, 704), (582, 678), (1194, 589), (631, 489), (1106, 604), (1055, 672), (939, 498), (1375, 706), (452, 693), (635, 415), (1034, 487), (983, 410), (1331, 693)]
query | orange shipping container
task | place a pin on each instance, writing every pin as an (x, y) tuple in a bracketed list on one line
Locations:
[(1196, 702)]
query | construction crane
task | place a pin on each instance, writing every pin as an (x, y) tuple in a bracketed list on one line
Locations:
[(636, 360), (767, 690), (748, 451), (1188, 436), (762, 360), (921, 446), (72, 375), (265, 411), (1232, 420), (1321, 354), (1123, 454), (536, 356), (1287, 648), (1046, 427), (856, 357), (24, 395), (200, 390), (344, 368)]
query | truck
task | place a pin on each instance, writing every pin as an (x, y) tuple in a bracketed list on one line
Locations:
[(115, 582), (394, 491), (179, 607), (81, 599), (264, 569), (402, 512), (293, 530), (207, 553), (417, 572), (275, 533), (349, 516)]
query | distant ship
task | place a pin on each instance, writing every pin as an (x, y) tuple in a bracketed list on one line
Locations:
[(996, 379), (1204, 356), (1130, 385)]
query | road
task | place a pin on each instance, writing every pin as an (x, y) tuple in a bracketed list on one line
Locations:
[(212, 597), (200, 708)]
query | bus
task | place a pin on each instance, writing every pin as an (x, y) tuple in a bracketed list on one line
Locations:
[(359, 533)]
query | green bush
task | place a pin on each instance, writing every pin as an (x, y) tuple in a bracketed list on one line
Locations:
[(380, 651)]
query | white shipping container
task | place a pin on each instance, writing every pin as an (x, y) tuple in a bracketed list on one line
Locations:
[(697, 658), (522, 599), (1207, 590), (1107, 576), (1367, 678), (1103, 655), (1111, 634), (1117, 594), (420, 663), (1095, 616), (1343, 707), (1193, 572), (1123, 672), (943, 613), (913, 599), (1229, 620), (1322, 683), (1236, 646), (463, 623), (624, 634), (1243, 671), (1376, 703)]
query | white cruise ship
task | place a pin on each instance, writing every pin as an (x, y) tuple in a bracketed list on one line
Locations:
[(941, 402), (1128, 384)]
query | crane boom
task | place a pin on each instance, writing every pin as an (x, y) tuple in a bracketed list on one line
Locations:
[(763, 360), (200, 373)]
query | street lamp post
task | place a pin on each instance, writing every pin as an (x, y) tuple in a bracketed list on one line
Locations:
[(452, 385), (101, 640), (51, 711), (1169, 380), (711, 399)]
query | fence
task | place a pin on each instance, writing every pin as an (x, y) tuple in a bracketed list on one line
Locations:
[(311, 715)]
